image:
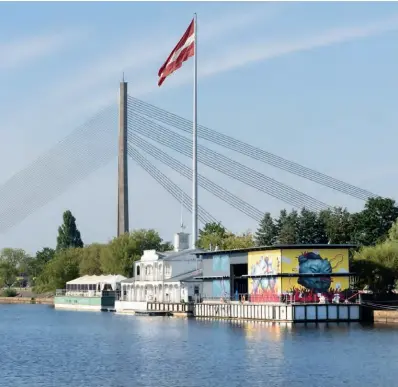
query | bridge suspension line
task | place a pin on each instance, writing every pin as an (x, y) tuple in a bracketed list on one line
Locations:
[(180, 123), (248, 176), (85, 150), (168, 185), (204, 182)]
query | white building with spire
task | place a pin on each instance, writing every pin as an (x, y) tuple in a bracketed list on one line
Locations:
[(170, 276)]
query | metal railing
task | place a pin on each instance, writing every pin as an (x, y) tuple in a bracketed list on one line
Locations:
[(182, 307), (347, 297), (294, 297), (86, 293)]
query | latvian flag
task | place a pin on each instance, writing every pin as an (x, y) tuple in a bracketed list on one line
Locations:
[(182, 51)]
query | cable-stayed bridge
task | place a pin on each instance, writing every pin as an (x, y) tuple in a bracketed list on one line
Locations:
[(146, 127)]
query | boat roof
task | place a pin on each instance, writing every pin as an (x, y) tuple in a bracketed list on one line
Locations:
[(95, 279)]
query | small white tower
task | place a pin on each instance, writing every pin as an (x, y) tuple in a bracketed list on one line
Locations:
[(181, 239)]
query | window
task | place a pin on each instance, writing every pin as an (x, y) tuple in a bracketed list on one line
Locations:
[(167, 270), (196, 290), (138, 270)]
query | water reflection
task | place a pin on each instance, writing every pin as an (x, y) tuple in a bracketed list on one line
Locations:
[(44, 347)]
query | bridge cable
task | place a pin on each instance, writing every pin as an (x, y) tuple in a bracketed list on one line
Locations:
[(70, 161), (70, 139), (237, 171), (172, 188), (207, 184), (229, 142), (223, 164)]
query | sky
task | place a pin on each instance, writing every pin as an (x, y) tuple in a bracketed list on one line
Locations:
[(315, 83)]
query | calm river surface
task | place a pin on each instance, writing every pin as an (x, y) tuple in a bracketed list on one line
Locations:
[(40, 346)]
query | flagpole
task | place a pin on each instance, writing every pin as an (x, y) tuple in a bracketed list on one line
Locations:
[(194, 142)]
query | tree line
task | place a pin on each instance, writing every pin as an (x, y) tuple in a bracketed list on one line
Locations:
[(374, 230), (334, 226), (50, 268)]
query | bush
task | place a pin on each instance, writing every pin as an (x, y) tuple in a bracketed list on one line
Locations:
[(9, 293)]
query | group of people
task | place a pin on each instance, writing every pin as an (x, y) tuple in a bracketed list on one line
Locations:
[(298, 296), (307, 296)]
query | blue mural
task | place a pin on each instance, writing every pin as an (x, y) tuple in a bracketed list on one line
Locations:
[(221, 264), (221, 288), (311, 263)]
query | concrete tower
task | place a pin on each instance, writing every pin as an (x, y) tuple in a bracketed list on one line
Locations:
[(123, 189)]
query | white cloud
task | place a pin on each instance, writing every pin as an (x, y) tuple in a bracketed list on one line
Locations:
[(95, 84), (20, 52), (237, 56), (234, 57), (129, 57)]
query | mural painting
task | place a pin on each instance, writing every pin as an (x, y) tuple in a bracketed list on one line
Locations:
[(323, 263), (267, 264), (221, 288), (221, 264)]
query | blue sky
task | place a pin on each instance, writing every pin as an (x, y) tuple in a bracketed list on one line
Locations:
[(313, 82)]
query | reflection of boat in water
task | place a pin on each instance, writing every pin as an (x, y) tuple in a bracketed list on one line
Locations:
[(152, 313)]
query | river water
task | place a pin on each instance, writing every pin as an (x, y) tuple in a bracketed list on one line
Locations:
[(40, 346)]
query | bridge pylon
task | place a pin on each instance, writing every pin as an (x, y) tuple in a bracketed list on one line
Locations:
[(122, 195)]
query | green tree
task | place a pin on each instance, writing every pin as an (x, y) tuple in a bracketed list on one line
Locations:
[(371, 226), (338, 225), (373, 276), (166, 246), (211, 236), (243, 241), (213, 229), (68, 234), (280, 222), (228, 241), (211, 241), (266, 233), (90, 259), (120, 254), (288, 227), (62, 268), (45, 255), (8, 274), (393, 232), (377, 266), (311, 228), (15, 257), (36, 265)]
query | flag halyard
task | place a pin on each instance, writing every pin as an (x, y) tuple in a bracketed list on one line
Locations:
[(184, 49)]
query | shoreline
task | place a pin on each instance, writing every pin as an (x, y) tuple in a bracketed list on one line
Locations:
[(27, 300)]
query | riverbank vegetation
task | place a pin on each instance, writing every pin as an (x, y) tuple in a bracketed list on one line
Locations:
[(374, 230)]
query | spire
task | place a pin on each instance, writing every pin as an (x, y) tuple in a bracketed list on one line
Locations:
[(182, 226)]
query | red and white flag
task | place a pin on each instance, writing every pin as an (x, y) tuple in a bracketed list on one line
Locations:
[(182, 51)]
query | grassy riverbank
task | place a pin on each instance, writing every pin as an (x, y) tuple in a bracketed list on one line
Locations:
[(26, 300), (25, 296)]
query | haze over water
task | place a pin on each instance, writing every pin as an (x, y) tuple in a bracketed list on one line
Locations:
[(41, 346)]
